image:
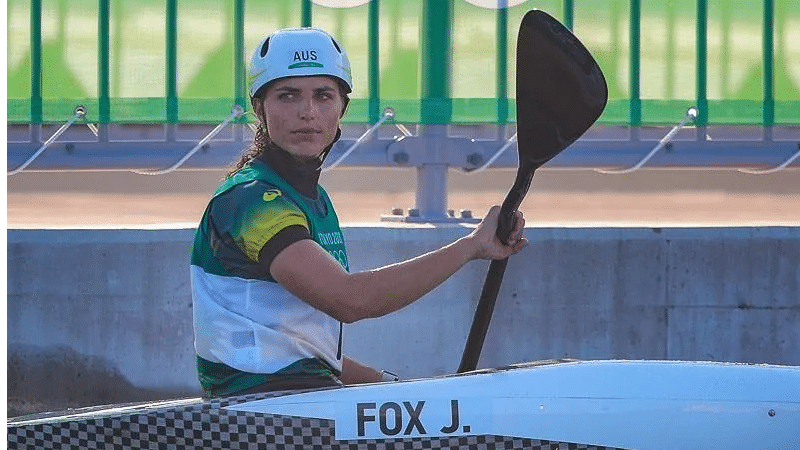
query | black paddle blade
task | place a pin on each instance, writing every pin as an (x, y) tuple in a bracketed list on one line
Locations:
[(561, 90)]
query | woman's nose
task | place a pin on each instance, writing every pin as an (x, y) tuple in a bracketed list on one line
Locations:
[(307, 109)]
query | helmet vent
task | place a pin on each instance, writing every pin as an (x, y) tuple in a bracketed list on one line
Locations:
[(265, 47), (336, 45)]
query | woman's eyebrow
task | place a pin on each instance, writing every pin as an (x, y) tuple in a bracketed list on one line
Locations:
[(293, 89), (287, 89)]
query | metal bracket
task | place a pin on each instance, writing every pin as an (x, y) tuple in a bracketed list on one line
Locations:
[(776, 168), (691, 114), (413, 215), (79, 113), (236, 111), (388, 113), (494, 157)]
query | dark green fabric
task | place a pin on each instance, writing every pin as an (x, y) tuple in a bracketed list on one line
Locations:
[(218, 379), (221, 241), (223, 251)]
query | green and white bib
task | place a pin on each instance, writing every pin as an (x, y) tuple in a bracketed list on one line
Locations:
[(242, 317)]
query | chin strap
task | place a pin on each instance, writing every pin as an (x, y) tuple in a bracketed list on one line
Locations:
[(327, 150)]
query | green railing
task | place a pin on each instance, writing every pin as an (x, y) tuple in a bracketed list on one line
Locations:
[(433, 61)]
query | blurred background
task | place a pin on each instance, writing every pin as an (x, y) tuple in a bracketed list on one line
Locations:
[(144, 69)]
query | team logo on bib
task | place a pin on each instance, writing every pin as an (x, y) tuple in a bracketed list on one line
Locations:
[(271, 195)]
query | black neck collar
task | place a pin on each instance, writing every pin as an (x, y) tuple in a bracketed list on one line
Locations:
[(301, 175)]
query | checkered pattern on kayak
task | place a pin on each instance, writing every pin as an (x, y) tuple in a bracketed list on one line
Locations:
[(209, 425)]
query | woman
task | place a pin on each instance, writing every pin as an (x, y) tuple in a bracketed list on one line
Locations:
[(270, 280)]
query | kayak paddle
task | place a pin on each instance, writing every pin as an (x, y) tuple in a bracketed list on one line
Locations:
[(561, 91)]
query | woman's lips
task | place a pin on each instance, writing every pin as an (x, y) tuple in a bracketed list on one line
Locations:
[(305, 131)]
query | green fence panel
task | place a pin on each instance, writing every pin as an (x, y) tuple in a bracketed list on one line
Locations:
[(787, 62), (20, 46), (183, 61)]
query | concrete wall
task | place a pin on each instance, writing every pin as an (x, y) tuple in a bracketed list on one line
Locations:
[(104, 316)]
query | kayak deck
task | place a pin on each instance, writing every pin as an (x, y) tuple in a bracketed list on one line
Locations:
[(541, 405), (199, 424)]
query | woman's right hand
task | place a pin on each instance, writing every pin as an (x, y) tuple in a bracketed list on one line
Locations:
[(488, 246)]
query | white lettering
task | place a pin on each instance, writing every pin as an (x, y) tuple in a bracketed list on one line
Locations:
[(333, 238)]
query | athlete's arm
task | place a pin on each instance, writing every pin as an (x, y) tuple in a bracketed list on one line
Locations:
[(310, 273)]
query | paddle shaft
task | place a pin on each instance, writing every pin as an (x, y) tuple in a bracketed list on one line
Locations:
[(483, 315), (497, 268)]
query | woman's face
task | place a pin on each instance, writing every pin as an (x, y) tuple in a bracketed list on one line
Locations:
[(302, 114)]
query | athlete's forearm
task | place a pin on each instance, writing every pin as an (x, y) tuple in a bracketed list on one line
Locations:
[(312, 274), (384, 290)]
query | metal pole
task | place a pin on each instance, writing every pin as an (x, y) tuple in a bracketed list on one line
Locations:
[(769, 73), (171, 75), (36, 71), (36, 62), (702, 72), (569, 14), (104, 68), (172, 65), (635, 69), (436, 107), (502, 66), (436, 61), (239, 72), (374, 61), (305, 13), (431, 195)]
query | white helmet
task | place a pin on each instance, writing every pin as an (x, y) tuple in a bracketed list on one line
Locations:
[(294, 52)]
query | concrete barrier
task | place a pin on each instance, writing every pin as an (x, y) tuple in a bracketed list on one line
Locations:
[(101, 316)]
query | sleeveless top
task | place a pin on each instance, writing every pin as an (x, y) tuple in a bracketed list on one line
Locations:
[(244, 319)]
